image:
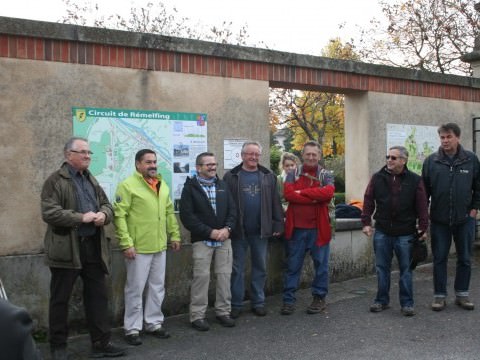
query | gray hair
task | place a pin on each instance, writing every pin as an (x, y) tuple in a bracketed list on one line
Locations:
[(246, 143), (69, 144), (403, 151)]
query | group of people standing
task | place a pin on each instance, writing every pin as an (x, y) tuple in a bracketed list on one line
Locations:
[(227, 218), (235, 216), (399, 200)]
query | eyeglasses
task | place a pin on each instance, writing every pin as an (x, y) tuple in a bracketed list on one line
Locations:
[(209, 164), (82, 152), (252, 154), (391, 157)]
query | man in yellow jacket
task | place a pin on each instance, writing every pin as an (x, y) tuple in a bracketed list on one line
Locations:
[(145, 222)]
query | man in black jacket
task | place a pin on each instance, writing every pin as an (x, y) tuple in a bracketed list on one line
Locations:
[(452, 181), (396, 198), (208, 211)]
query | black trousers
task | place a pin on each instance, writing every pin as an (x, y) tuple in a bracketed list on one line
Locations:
[(95, 297)]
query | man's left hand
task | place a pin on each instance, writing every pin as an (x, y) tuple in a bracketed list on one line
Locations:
[(99, 219), (175, 245), (473, 213)]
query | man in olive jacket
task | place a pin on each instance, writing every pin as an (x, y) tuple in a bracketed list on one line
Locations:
[(76, 208)]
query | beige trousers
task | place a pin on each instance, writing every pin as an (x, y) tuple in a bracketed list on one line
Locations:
[(202, 260)]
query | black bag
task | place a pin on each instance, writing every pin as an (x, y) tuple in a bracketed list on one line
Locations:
[(419, 251)]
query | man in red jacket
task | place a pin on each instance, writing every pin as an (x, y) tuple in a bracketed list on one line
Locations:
[(307, 227)]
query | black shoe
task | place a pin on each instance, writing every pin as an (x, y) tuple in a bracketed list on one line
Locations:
[(201, 325), (287, 309), (133, 339), (259, 311), (235, 313), (100, 350), (226, 320), (160, 333), (59, 352)]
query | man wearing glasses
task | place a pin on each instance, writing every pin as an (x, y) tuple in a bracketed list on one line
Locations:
[(260, 216), (396, 198), (76, 209), (452, 180), (207, 210)]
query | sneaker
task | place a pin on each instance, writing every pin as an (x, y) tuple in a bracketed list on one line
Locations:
[(408, 311), (377, 307), (259, 311), (109, 349), (201, 325), (464, 303), (438, 304), (226, 320), (287, 309), (133, 339), (235, 313), (318, 305), (160, 333)]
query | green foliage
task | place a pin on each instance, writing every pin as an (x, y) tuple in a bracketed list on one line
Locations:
[(339, 198), (275, 154), (337, 165)]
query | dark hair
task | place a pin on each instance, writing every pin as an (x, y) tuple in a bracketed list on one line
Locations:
[(450, 127), (139, 155), (198, 160)]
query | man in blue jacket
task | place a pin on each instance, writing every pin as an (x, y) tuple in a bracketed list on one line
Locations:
[(207, 210), (452, 181)]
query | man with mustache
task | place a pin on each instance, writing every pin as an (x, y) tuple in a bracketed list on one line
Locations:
[(145, 222)]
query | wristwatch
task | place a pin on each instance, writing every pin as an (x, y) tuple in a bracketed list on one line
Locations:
[(229, 229)]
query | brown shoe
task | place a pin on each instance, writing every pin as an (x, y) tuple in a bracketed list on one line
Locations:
[(438, 304), (464, 303), (318, 305)]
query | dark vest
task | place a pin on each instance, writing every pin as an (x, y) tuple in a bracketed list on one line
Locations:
[(396, 212)]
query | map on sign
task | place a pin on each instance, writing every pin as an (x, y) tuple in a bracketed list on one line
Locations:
[(115, 136), (420, 141)]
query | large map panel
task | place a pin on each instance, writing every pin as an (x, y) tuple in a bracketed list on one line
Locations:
[(115, 135)]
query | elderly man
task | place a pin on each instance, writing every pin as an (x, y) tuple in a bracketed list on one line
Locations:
[(207, 210), (452, 180), (145, 222), (260, 216), (309, 191), (397, 197), (76, 208)]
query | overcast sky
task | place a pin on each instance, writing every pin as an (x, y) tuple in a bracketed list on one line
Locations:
[(303, 26)]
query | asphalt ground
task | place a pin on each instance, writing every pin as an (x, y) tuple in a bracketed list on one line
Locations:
[(346, 330)]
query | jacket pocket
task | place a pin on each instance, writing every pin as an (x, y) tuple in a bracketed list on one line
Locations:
[(58, 247)]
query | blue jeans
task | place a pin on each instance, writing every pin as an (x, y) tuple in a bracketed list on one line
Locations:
[(384, 246), (258, 256), (303, 241), (463, 236)]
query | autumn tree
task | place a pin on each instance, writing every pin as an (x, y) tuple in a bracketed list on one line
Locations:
[(313, 115), (422, 34)]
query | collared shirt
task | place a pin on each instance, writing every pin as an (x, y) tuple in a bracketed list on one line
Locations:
[(210, 188), (86, 200), (153, 183)]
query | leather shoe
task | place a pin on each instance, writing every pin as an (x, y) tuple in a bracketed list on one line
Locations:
[(109, 349), (226, 320), (201, 325), (133, 339), (160, 333), (259, 311)]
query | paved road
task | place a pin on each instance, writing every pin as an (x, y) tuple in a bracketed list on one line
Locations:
[(347, 330)]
